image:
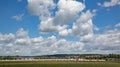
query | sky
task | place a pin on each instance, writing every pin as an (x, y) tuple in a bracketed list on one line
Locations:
[(46, 27)]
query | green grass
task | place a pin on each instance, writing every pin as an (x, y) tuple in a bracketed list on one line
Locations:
[(57, 64)]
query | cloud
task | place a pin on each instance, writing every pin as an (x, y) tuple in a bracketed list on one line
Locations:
[(41, 8), (65, 32), (66, 18), (19, 0), (37, 39), (110, 38), (67, 11), (82, 27), (6, 38), (21, 44), (117, 25), (110, 4), (108, 42), (47, 26), (18, 17), (15, 44), (22, 41), (53, 46), (95, 28), (21, 33), (37, 45)]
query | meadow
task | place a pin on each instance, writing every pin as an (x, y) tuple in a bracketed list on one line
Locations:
[(56, 64)]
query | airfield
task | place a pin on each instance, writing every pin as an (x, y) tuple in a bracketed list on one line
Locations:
[(57, 63)]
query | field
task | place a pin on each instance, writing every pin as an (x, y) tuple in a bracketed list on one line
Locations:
[(56, 64)]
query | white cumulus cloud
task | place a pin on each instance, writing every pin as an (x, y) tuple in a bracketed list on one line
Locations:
[(108, 42), (41, 8), (18, 17), (36, 46), (83, 26), (110, 3), (67, 11), (117, 25)]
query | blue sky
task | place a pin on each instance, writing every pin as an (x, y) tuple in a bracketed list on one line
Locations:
[(59, 26)]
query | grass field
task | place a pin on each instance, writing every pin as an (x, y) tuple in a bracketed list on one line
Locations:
[(56, 64)]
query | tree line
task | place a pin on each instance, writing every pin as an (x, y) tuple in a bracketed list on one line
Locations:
[(65, 56)]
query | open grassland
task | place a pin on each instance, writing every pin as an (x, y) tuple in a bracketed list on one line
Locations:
[(56, 64)]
